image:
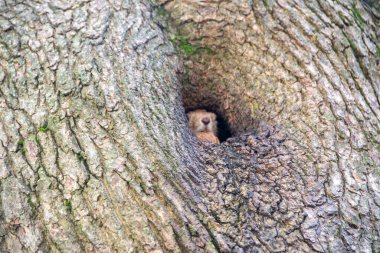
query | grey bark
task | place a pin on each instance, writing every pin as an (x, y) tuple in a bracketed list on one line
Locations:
[(311, 69), (96, 154)]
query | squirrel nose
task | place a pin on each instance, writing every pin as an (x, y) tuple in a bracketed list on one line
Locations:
[(206, 121)]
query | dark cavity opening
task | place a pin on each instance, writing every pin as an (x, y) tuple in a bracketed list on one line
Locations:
[(224, 131)]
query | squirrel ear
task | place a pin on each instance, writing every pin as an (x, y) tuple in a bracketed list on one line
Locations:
[(188, 115)]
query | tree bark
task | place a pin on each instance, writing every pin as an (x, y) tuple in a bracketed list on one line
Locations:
[(96, 154)]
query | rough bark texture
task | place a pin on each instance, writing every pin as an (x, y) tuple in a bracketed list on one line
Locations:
[(92, 130), (96, 154), (312, 68)]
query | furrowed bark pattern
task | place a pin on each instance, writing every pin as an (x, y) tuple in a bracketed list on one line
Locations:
[(92, 153), (311, 67), (96, 155)]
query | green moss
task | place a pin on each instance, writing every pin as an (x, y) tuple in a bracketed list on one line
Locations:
[(357, 16), (162, 12), (31, 203), (21, 146), (143, 186), (205, 50), (187, 48), (193, 231), (81, 156), (44, 128), (210, 245), (67, 205), (254, 107), (54, 247), (377, 170), (183, 44), (266, 3), (173, 38), (350, 42)]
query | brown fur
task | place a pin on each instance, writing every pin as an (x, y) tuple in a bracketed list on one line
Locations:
[(207, 136), (204, 132)]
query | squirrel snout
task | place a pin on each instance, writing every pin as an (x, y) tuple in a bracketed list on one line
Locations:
[(206, 121)]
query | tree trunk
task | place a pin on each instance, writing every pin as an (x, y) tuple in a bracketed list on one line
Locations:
[(96, 154)]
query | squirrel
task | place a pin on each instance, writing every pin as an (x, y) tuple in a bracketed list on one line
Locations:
[(204, 125)]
